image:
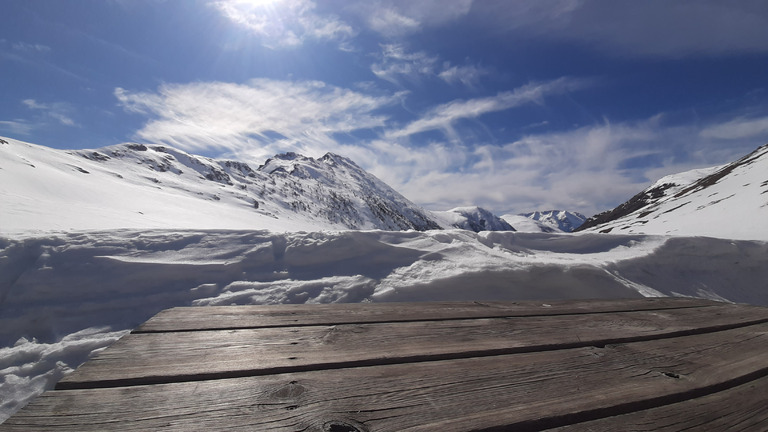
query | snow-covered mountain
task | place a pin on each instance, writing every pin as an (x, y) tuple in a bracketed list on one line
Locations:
[(560, 220), (728, 201), (475, 219), (528, 225), (152, 186)]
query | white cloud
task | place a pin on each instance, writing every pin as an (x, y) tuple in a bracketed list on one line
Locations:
[(740, 128), (30, 48), (397, 64), (59, 111), (284, 23), (444, 116), (19, 127), (469, 75), (397, 18), (587, 169), (248, 117), (389, 22), (576, 170)]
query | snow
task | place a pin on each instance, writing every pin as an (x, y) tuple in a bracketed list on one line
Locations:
[(523, 223), (561, 220), (47, 189), (67, 295), (471, 218), (685, 178), (94, 243), (728, 201), (146, 186)]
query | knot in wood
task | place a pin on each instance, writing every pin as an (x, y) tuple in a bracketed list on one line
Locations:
[(290, 391), (343, 426)]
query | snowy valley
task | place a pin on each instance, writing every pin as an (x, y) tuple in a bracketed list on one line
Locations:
[(93, 243)]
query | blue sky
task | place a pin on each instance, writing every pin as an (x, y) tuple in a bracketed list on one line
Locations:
[(511, 105)]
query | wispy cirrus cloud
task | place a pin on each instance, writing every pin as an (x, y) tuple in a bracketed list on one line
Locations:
[(589, 169), (390, 22), (398, 18), (468, 75), (739, 128), (285, 23), (443, 117), (261, 116), (41, 115), (399, 66), (19, 127), (59, 111), (30, 47)]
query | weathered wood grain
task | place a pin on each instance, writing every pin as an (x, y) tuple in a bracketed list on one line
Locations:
[(742, 408), (152, 358), (527, 391), (238, 317)]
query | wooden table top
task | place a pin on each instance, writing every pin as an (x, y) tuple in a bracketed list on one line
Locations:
[(602, 365)]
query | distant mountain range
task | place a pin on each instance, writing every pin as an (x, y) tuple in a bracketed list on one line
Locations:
[(152, 186), (728, 201), (562, 220), (472, 218)]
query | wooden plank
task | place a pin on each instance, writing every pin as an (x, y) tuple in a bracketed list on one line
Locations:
[(529, 391), (740, 408), (168, 357), (237, 317)]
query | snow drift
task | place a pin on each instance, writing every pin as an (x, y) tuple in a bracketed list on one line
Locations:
[(65, 296)]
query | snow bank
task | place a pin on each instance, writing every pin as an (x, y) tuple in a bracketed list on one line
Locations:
[(65, 296)]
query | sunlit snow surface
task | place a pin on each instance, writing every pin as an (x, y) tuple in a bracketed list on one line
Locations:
[(728, 201), (65, 296), (72, 282)]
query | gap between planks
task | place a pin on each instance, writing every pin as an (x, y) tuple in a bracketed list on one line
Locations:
[(92, 375), (187, 319)]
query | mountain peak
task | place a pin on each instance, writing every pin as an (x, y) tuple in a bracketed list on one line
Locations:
[(134, 185), (472, 218), (561, 220), (726, 201)]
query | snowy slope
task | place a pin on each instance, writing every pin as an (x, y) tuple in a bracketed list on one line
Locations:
[(471, 218), (561, 220), (141, 186), (729, 201)]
